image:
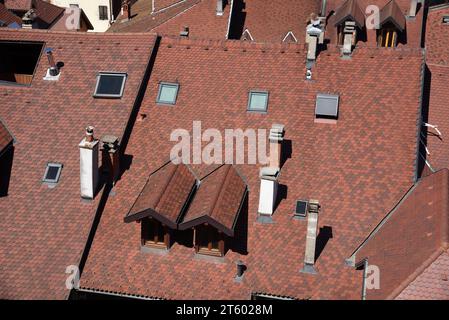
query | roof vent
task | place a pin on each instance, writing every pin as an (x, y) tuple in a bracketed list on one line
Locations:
[(240, 270), (28, 19), (220, 7), (53, 69), (184, 32), (312, 227)]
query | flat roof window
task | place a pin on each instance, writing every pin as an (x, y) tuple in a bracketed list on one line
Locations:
[(326, 106), (52, 172), (18, 61), (110, 85), (258, 101), (168, 93), (301, 208)]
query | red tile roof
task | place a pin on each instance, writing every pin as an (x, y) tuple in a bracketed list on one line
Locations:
[(5, 138), (22, 5), (8, 17), (47, 12), (45, 230), (270, 21), (437, 43), (355, 168), (431, 284)]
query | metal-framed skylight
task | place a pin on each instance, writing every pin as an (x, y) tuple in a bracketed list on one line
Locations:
[(110, 85), (168, 93), (258, 101), (446, 20), (301, 208), (52, 172), (327, 106)]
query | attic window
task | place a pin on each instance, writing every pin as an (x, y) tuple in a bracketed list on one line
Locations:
[(301, 209), (110, 85), (52, 173), (258, 101), (18, 61), (446, 20), (326, 106), (168, 93)]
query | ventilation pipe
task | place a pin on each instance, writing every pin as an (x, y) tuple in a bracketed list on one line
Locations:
[(312, 228), (88, 164)]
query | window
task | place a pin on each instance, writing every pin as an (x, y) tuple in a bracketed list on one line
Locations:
[(154, 234), (258, 101), (326, 106), (18, 61), (103, 12), (301, 208), (52, 173), (168, 93), (446, 20), (209, 241), (388, 37), (110, 85)]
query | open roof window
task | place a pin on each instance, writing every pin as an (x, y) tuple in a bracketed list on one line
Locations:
[(110, 85), (168, 93), (258, 101), (18, 61), (52, 173), (326, 106)]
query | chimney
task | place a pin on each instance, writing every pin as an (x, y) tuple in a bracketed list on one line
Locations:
[(413, 8), (312, 227), (53, 69), (220, 7), (349, 38), (240, 270), (111, 157), (276, 138), (268, 191), (314, 36), (28, 19), (126, 9), (88, 164), (184, 32)]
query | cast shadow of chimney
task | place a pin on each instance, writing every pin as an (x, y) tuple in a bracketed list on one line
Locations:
[(323, 238), (421, 170), (125, 164), (286, 152), (6, 160), (238, 18), (281, 195), (239, 243)]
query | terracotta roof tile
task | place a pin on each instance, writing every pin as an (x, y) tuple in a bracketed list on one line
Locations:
[(7, 17), (45, 230), (5, 138), (22, 5), (354, 168), (47, 12), (350, 9), (391, 12)]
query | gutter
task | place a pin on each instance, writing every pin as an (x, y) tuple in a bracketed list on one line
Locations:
[(117, 294)]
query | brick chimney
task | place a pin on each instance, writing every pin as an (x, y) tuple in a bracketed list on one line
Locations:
[(88, 164), (312, 228), (111, 157), (220, 7), (126, 9)]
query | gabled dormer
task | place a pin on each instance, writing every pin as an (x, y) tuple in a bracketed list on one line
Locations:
[(349, 20), (391, 29)]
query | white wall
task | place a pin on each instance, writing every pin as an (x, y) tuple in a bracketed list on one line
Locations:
[(90, 8)]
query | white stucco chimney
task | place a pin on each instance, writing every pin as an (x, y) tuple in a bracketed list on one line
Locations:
[(413, 8), (314, 36), (89, 164), (312, 228), (220, 7), (268, 190), (349, 38)]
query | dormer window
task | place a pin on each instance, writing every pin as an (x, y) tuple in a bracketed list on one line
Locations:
[(391, 26), (154, 234), (209, 241), (349, 20)]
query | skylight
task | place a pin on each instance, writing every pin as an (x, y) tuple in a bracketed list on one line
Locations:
[(52, 173), (258, 101), (326, 106), (446, 20), (301, 208), (168, 93), (110, 85)]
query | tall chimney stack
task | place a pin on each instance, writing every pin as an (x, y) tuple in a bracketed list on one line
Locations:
[(126, 9), (314, 36), (413, 8), (88, 164), (312, 227), (349, 38), (276, 139), (220, 7)]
